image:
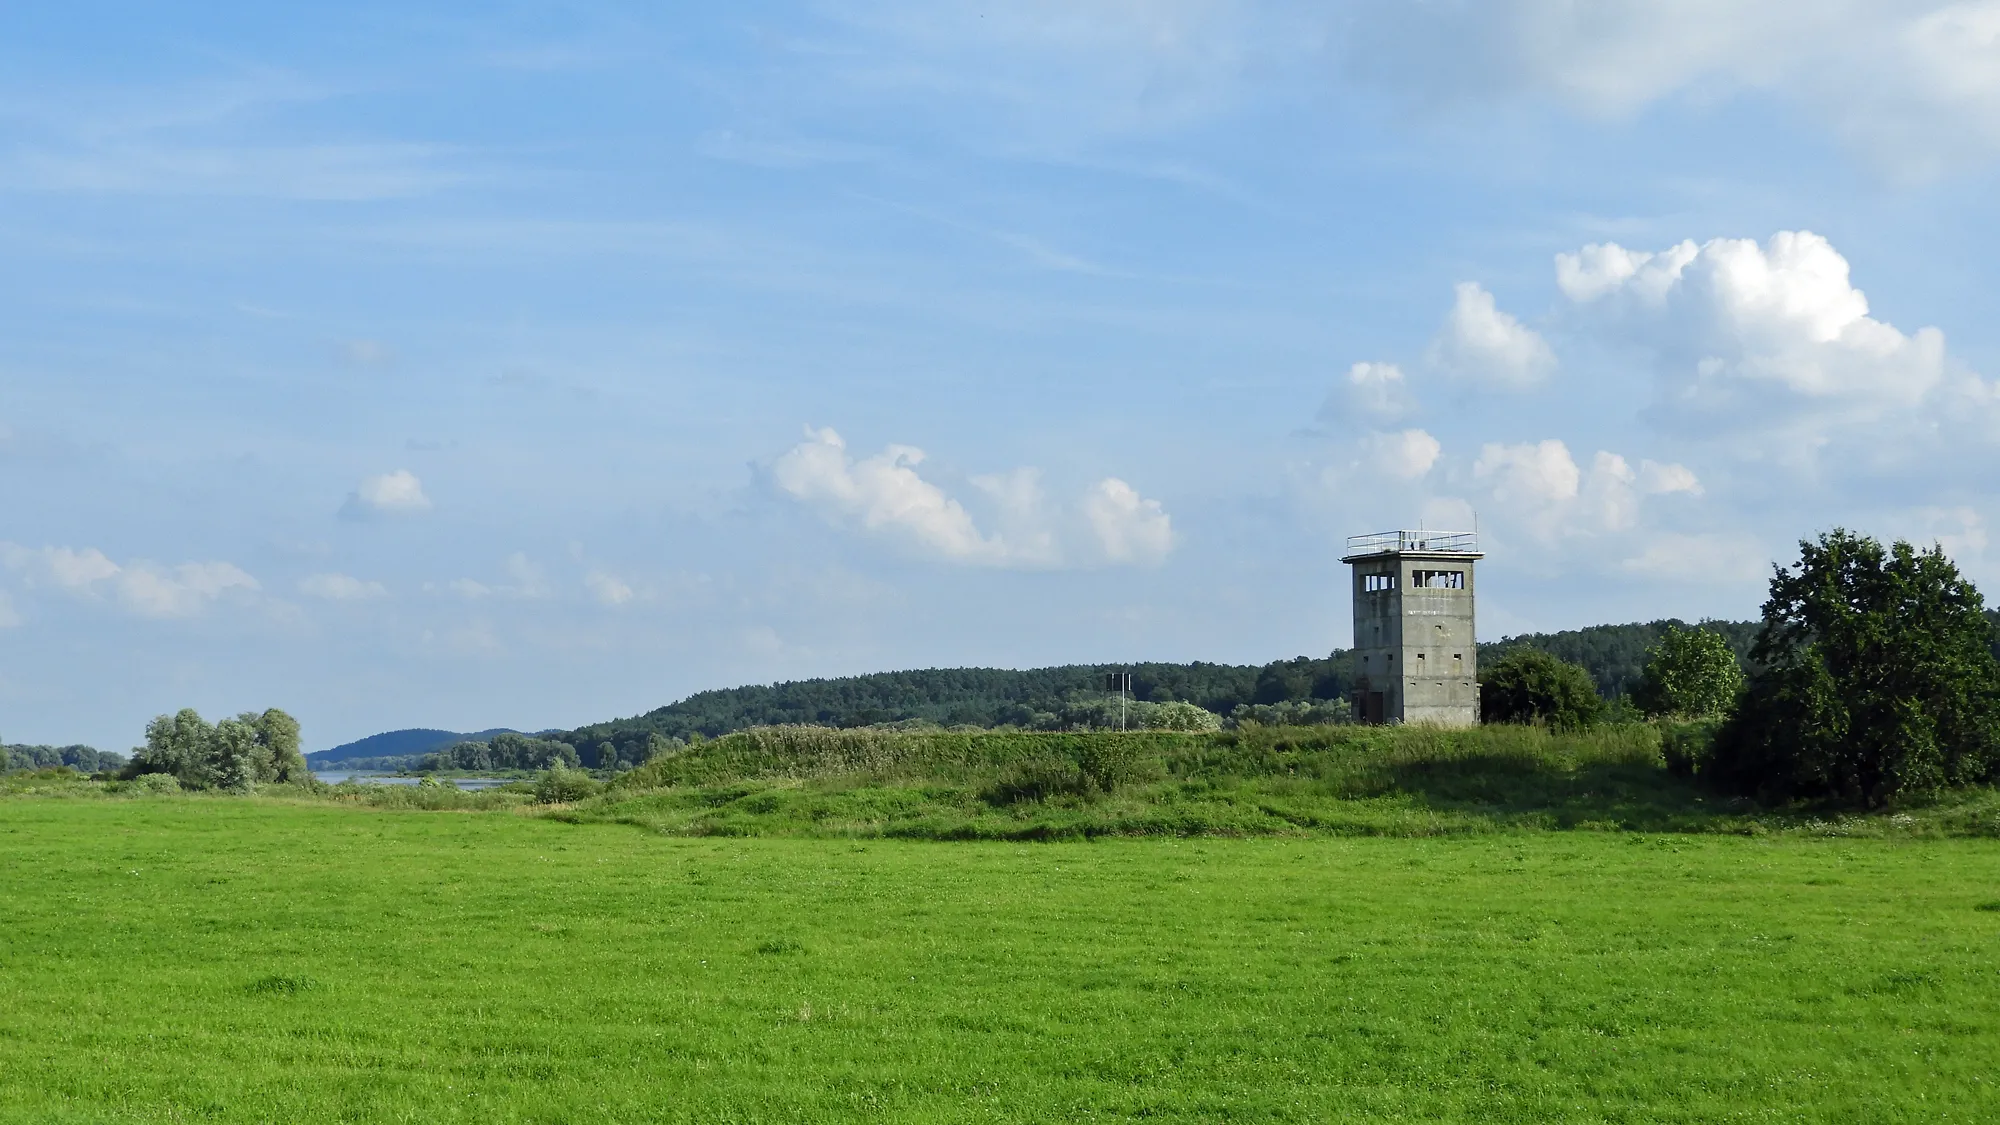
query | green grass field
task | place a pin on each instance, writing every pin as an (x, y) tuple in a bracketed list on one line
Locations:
[(246, 959)]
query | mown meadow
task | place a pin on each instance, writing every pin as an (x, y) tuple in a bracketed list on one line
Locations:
[(1272, 925)]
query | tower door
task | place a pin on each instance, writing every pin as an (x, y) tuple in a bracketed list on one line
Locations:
[(1371, 707)]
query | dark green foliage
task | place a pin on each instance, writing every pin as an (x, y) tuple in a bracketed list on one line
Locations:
[(82, 759), (1044, 698), (1527, 685), (1687, 746), (1690, 673), (1616, 655), (1876, 679)]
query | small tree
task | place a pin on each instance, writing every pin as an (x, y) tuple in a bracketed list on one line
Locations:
[(1690, 673), (1528, 685), (1875, 679)]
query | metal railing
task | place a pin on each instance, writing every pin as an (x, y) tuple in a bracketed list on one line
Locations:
[(1383, 542)]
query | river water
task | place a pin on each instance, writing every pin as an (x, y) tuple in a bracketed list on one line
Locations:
[(376, 777)]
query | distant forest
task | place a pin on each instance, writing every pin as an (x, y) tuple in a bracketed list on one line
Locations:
[(1613, 654), (83, 759)]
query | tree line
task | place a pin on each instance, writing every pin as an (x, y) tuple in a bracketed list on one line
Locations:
[(82, 759)]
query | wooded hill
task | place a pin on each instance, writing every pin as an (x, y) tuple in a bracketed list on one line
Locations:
[(989, 697)]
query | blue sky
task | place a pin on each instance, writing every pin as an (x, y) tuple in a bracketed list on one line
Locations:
[(528, 365)]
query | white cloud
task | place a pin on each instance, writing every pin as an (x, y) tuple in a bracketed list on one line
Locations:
[(1370, 390), (340, 587), (1405, 455), (77, 571), (1482, 344), (1541, 484), (181, 591), (1656, 479), (1531, 473), (607, 589), (9, 616), (1129, 528), (1914, 83), (1776, 340), (386, 494), (140, 586), (886, 495)]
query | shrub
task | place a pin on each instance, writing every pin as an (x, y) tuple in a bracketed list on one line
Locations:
[(155, 783), (1528, 686), (562, 786), (1181, 716)]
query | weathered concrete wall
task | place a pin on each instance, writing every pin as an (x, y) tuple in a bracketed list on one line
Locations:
[(1414, 643)]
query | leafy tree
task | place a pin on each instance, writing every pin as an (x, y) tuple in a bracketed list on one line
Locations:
[(1875, 679), (1690, 673), (234, 757), (177, 744), (1527, 686), (278, 734)]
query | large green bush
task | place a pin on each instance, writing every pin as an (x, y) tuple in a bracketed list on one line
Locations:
[(235, 754), (1875, 680), (1527, 686)]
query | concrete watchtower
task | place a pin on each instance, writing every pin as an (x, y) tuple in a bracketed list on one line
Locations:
[(1413, 636)]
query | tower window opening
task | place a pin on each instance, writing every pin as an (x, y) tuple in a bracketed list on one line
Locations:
[(1438, 579), (1372, 583)]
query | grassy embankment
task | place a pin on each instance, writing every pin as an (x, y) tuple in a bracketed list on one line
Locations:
[(212, 959), (1309, 780)]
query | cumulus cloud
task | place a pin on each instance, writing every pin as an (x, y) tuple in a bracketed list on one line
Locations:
[(1541, 484), (386, 494), (1772, 338), (1129, 528), (885, 495), (340, 587), (1404, 455), (141, 587), (1482, 344)]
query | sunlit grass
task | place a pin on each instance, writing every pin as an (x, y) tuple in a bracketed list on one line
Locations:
[(229, 959)]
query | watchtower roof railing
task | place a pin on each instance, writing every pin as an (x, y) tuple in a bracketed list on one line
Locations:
[(1384, 542)]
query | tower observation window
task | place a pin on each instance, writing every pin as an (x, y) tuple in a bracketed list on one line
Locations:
[(1438, 579), (1370, 583)]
